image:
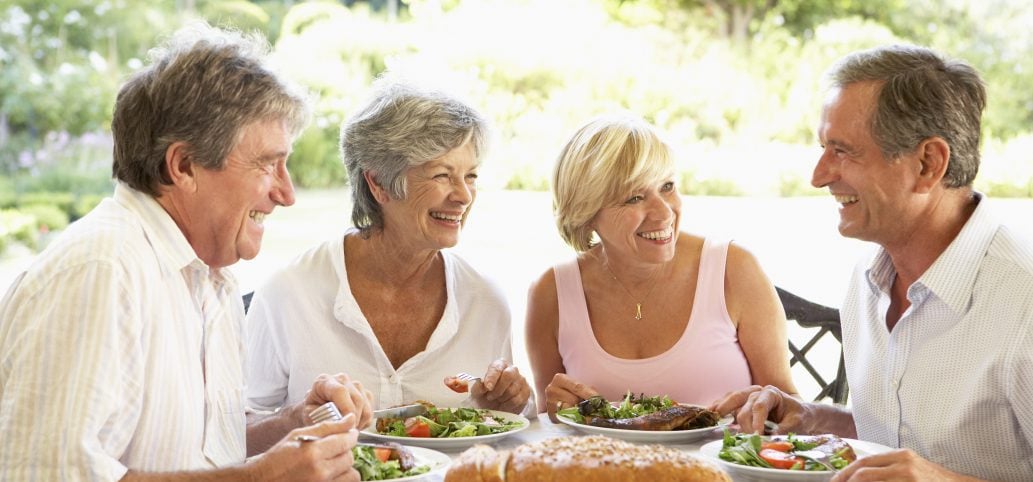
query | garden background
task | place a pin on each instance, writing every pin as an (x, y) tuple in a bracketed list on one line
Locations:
[(734, 84)]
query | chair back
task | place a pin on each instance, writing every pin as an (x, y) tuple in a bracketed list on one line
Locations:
[(247, 300), (813, 315)]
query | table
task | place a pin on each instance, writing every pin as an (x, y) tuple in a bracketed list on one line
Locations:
[(542, 428)]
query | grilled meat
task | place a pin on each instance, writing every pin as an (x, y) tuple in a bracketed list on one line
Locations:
[(678, 417)]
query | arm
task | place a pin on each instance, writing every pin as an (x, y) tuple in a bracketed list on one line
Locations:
[(760, 321), (753, 405), (542, 338), (347, 395), (329, 457)]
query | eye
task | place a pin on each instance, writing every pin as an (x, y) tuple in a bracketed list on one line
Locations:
[(442, 177), (471, 178), (667, 187), (634, 199)]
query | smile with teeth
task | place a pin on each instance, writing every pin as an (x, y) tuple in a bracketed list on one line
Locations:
[(257, 216), (452, 218), (661, 235), (845, 199)]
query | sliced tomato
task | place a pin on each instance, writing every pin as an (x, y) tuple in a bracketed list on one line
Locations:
[(457, 385), (383, 453), (781, 446), (780, 460), (415, 427)]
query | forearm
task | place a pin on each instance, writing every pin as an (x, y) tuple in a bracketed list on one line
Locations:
[(230, 474), (825, 418), (265, 429)]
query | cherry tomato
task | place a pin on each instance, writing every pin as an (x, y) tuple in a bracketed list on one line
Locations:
[(780, 460), (383, 453), (417, 428), (781, 446), (456, 384)]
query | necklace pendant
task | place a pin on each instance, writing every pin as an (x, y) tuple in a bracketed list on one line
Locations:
[(638, 311)]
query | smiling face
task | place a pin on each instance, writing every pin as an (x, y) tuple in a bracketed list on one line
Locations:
[(644, 226), (439, 196), (226, 212), (875, 194)]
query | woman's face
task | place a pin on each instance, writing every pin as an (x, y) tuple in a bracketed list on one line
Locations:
[(440, 194), (644, 226)]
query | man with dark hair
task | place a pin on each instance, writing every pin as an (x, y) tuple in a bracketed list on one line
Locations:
[(938, 324), (121, 347)]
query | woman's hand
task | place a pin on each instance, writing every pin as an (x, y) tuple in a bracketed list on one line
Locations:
[(563, 392), (347, 394), (502, 388)]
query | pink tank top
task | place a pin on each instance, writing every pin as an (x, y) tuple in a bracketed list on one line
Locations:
[(702, 366)]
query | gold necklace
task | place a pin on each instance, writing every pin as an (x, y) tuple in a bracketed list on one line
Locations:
[(638, 304)]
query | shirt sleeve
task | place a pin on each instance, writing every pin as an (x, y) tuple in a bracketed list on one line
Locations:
[(69, 354), (1021, 395)]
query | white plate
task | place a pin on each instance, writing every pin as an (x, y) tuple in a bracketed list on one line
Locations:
[(451, 443), (745, 473), (437, 461), (649, 436)]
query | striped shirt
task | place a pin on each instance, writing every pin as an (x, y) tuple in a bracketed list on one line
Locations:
[(120, 349), (953, 381)]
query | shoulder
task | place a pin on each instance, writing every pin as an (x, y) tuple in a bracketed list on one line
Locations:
[(472, 282)]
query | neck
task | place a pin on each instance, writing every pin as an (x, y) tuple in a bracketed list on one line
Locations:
[(933, 230), (389, 259)]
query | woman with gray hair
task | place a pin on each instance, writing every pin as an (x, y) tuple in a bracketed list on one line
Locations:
[(387, 302)]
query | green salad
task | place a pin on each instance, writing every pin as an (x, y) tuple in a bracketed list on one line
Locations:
[(629, 407), (448, 422), (778, 452), (374, 463)]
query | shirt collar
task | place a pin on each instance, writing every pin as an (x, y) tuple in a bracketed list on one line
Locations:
[(951, 276), (170, 244)]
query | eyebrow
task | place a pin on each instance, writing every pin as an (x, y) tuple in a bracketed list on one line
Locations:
[(272, 156)]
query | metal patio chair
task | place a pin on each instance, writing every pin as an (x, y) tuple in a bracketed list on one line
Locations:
[(813, 315)]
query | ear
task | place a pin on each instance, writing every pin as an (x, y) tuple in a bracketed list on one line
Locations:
[(379, 193), (181, 170), (933, 156)]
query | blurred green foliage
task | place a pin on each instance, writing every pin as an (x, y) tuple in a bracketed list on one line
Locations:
[(734, 84)]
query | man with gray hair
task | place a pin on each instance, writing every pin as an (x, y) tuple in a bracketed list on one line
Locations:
[(938, 323), (121, 346)]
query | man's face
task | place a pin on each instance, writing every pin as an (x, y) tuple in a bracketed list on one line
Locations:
[(226, 214), (875, 194)]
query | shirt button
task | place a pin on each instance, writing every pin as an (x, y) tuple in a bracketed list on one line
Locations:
[(394, 378)]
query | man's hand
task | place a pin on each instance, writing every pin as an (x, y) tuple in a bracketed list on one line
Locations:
[(900, 464), (316, 453), (563, 392), (502, 388), (348, 395), (755, 405)]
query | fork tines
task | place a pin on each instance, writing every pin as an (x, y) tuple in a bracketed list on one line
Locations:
[(325, 412), (466, 377)]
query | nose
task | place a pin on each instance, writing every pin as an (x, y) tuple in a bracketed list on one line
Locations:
[(283, 191), (825, 171), (462, 192), (659, 208)]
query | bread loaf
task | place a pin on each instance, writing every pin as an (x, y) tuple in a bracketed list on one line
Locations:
[(582, 459)]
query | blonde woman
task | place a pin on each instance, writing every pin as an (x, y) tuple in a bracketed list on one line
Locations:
[(643, 306)]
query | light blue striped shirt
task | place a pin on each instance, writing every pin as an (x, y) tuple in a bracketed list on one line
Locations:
[(953, 381), (120, 349)]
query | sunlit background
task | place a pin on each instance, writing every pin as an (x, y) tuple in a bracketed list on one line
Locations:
[(734, 84)]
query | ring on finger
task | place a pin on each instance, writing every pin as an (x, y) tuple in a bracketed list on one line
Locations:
[(305, 438), (559, 405)]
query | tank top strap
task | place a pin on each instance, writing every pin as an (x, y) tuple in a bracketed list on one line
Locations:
[(570, 296), (710, 283)]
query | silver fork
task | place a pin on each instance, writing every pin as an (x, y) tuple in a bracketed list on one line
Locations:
[(325, 412), (468, 378), (818, 457)]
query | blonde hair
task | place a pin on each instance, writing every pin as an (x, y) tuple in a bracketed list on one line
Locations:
[(604, 161)]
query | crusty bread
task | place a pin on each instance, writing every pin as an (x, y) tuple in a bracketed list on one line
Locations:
[(581, 459)]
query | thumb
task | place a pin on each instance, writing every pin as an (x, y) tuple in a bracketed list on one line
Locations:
[(491, 377)]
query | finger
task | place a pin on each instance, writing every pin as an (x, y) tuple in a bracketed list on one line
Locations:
[(733, 400), (495, 370), (508, 380), (508, 396)]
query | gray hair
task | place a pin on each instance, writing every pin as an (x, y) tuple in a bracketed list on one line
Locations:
[(204, 85), (402, 126), (921, 95)]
